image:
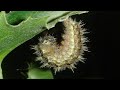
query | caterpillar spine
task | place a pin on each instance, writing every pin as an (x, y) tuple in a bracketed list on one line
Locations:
[(68, 53)]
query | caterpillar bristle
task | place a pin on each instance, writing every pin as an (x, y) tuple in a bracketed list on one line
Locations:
[(66, 55)]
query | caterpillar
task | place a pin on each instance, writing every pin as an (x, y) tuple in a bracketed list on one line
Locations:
[(64, 55)]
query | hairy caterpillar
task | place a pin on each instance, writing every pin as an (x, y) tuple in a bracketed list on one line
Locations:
[(64, 55)]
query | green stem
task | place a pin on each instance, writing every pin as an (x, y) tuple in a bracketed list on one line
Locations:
[(1, 76)]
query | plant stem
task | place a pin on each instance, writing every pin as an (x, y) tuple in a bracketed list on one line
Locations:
[(1, 76)]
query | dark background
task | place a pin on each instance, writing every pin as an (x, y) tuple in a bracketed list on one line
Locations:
[(102, 26)]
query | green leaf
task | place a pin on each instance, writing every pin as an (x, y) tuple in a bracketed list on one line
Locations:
[(30, 23), (37, 73)]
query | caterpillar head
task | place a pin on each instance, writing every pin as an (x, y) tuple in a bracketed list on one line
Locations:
[(47, 44)]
